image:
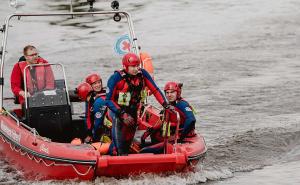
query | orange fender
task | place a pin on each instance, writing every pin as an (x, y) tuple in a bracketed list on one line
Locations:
[(76, 141), (101, 147)]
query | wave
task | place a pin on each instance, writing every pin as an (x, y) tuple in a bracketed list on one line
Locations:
[(252, 150)]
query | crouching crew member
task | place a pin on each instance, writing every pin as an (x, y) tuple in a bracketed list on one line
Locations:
[(187, 119)]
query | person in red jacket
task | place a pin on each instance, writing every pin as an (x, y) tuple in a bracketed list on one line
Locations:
[(37, 78)]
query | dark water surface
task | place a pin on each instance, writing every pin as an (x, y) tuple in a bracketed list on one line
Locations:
[(238, 60)]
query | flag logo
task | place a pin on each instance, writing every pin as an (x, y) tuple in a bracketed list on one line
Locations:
[(123, 45)]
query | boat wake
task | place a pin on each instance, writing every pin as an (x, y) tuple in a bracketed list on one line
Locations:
[(8, 174), (251, 150), (241, 152)]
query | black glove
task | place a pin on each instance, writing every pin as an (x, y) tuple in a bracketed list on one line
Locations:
[(168, 106), (127, 120), (88, 139), (148, 132), (143, 142), (180, 140)]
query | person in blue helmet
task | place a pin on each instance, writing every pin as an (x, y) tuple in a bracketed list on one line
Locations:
[(123, 99), (186, 123)]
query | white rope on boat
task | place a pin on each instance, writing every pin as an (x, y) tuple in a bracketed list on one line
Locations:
[(13, 148), (23, 153)]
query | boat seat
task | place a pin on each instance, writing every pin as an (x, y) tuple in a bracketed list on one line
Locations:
[(50, 115), (78, 127)]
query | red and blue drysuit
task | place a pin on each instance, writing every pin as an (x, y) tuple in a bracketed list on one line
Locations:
[(95, 114), (186, 127), (124, 96)]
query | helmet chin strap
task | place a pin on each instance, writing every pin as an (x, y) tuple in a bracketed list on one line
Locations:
[(125, 68), (98, 91)]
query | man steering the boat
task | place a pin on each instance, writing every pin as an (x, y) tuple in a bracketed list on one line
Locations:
[(187, 120), (37, 78), (123, 99)]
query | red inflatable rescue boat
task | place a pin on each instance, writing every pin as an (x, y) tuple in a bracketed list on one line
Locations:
[(37, 139)]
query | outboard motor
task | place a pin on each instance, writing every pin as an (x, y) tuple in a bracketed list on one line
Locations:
[(47, 108)]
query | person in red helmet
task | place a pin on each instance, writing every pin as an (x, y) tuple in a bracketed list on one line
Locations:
[(185, 110), (96, 82), (84, 90), (37, 78), (187, 119), (95, 108), (123, 98)]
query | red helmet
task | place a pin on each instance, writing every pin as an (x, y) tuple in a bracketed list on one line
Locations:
[(92, 78), (83, 90), (174, 86), (130, 59)]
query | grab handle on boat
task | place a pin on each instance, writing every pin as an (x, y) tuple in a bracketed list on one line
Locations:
[(34, 135)]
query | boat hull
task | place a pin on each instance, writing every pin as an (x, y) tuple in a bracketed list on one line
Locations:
[(42, 159), (33, 155)]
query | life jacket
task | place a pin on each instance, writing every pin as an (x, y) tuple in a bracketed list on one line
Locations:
[(157, 133), (90, 114), (173, 116), (35, 77), (129, 89)]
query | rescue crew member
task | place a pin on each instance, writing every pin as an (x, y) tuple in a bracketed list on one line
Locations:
[(93, 94), (96, 109), (187, 119), (37, 78), (96, 82), (123, 99)]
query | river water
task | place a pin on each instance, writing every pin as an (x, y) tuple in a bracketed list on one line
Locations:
[(238, 60)]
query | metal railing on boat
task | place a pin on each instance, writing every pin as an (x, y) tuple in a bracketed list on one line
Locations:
[(32, 130), (73, 14)]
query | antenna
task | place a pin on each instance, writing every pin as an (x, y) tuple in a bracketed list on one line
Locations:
[(71, 6)]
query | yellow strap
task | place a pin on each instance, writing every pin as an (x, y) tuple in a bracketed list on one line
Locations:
[(169, 133), (143, 95), (107, 123), (105, 139), (164, 129), (193, 110)]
